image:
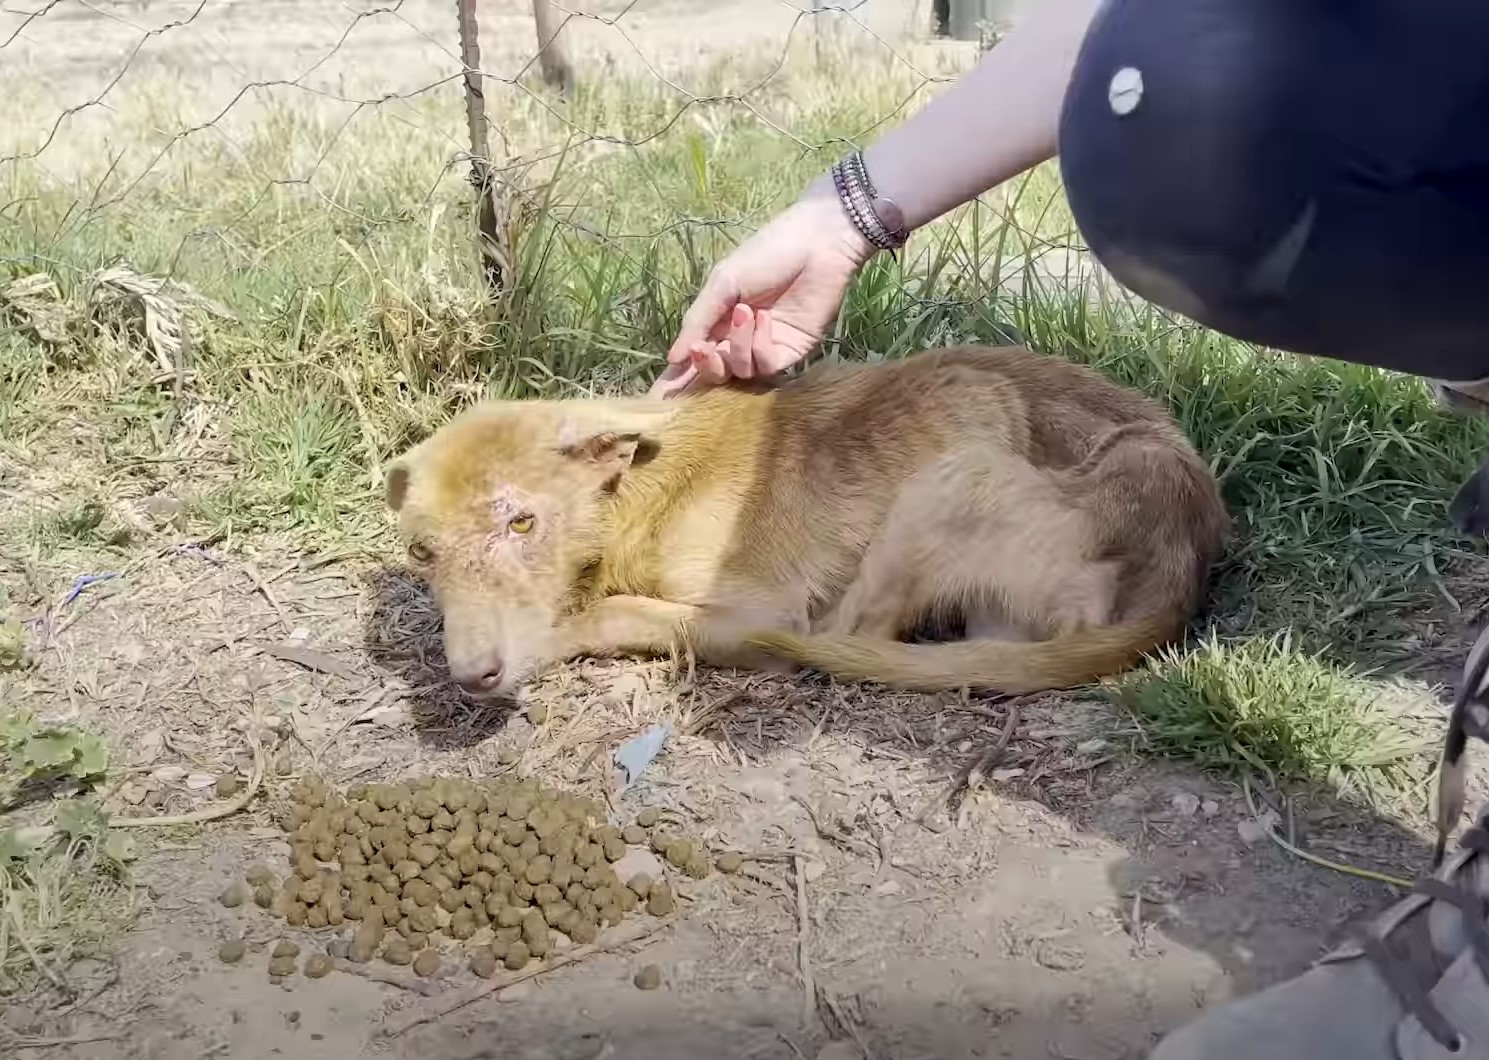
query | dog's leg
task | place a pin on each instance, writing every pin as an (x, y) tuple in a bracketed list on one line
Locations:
[(625, 625), (640, 625)]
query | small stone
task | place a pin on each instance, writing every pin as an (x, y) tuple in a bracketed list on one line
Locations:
[(259, 875), (285, 948), (648, 978), (1209, 807), (661, 902), (232, 952), (729, 862), (426, 963), (234, 896), (227, 786), (319, 965), (633, 835), (537, 713), (397, 952), (648, 817), (483, 964), (1059, 958), (1185, 804), (282, 966)]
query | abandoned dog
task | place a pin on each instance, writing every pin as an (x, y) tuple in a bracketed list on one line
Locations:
[(1063, 524)]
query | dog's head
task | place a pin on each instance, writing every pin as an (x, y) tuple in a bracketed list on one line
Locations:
[(501, 510)]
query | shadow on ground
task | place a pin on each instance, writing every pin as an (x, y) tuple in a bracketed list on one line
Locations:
[(1185, 875)]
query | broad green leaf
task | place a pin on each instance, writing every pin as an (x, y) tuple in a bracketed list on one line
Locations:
[(49, 750), (80, 819)]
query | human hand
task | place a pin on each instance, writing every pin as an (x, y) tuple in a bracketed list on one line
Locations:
[(768, 304)]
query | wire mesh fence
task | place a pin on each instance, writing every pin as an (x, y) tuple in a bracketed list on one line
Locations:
[(389, 209), (244, 236)]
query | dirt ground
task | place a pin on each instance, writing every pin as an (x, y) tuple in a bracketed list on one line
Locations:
[(1077, 906)]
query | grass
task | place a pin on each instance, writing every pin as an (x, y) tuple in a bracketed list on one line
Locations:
[(342, 252), (1259, 705)]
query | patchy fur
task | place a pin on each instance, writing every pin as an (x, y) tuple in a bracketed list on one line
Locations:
[(1061, 523)]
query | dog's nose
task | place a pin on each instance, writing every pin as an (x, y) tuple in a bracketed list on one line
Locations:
[(481, 682)]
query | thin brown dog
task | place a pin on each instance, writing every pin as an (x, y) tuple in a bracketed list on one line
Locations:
[(1062, 521)]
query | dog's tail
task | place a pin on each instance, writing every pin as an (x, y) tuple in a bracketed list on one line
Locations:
[(1011, 667)]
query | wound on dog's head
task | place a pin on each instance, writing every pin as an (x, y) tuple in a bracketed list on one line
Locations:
[(395, 486)]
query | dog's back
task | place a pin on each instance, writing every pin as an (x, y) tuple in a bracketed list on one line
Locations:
[(1079, 504)]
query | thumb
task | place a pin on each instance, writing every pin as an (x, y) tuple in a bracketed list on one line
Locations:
[(714, 303)]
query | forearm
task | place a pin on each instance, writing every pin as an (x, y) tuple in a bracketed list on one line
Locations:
[(996, 122)]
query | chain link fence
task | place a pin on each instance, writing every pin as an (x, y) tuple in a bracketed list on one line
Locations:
[(370, 213)]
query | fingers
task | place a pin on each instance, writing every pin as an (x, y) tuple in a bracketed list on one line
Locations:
[(675, 379), (719, 296), (768, 357), (738, 349), (708, 361), (750, 350)]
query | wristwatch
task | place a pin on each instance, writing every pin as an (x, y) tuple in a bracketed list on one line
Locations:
[(876, 216)]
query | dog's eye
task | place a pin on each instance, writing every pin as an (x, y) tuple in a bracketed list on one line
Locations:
[(521, 525), (420, 552)]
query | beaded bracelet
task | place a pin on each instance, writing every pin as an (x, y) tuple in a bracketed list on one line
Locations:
[(878, 218)]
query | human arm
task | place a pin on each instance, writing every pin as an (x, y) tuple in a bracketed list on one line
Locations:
[(769, 303)]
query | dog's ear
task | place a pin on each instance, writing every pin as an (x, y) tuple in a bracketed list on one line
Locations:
[(611, 453), (1469, 511), (395, 485)]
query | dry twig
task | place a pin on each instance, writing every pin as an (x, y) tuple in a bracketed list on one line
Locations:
[(211, 813), (578, 953), (803, 942), (379, 975)]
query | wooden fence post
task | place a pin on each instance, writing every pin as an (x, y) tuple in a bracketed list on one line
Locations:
[(496, 257)]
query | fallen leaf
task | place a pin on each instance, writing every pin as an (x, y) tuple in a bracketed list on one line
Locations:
[(1001, 776), (638, 861), (1252, 830), (169, 774), (387, 715), (198, 781), (319, 661)]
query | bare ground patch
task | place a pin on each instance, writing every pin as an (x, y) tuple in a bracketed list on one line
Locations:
[(1077, 904)]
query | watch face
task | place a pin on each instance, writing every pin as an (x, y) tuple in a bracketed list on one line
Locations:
[(889, 215)]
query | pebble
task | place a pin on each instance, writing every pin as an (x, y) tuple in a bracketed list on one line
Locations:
[(232, 952), (648, 978)]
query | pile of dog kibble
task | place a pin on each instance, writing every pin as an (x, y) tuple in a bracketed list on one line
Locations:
[(502, 867)]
